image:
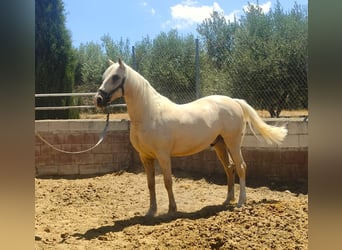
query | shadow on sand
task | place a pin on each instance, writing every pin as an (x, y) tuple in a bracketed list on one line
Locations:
[(120, 225)]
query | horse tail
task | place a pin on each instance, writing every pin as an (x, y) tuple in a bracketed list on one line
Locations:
[(270, 133)]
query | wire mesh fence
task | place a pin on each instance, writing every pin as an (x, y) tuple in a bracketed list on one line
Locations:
[(186, 71), (268, 73), (262, 58), (267, 83)]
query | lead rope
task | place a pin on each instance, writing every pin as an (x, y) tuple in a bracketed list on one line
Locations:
[(102, 136)]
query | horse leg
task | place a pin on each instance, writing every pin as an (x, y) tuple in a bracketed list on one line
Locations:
[(234, 146), (229, 168), (165, 165), (150, 174)]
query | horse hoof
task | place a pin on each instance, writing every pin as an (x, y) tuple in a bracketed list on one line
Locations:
[(151, 212), (172, 211), (229, 201), (240, 204)]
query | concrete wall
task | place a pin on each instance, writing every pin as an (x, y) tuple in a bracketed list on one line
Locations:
[(113, 154), (287, 162)]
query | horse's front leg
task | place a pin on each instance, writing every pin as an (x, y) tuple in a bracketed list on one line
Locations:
[(150, 174), (165, 165)]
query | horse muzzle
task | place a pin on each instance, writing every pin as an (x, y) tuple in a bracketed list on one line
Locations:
[(101, 100)]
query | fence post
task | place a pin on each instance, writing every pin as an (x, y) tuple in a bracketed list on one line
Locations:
[(198, 85), (133, 59)]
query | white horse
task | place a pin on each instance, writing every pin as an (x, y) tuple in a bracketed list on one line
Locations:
[(161, 129)]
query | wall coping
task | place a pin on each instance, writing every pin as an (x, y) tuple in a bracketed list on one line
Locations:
[(89, 125)]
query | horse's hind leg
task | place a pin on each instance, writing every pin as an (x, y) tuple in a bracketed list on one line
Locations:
[(229, 168), (234, 147), (165, 165), (150, 174)]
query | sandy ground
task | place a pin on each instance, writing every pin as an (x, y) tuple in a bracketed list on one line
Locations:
[(107, 212)]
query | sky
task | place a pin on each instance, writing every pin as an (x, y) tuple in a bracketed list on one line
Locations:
[(89, 20)]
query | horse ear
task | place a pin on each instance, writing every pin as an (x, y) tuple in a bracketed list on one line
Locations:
[(110, 62), (121, 63)]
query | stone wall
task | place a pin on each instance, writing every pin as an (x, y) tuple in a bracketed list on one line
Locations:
[(287, 162), (113, 154)]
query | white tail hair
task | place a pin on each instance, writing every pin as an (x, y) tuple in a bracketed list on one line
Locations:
[(269, 133)]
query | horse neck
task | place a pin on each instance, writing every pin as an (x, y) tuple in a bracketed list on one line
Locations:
[(141, 98)]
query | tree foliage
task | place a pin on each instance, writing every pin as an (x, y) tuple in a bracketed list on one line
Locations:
[(169, 64), (218, 38), (261, 58), (92, 60), (114, 49), (217, 31), (91, 63), (54, 58), (264, 56), (166, 61), (271, 59)]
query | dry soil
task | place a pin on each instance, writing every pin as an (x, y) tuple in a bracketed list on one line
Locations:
[(107, 212)]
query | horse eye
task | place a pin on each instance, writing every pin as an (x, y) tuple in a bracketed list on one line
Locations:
[(115, 78)]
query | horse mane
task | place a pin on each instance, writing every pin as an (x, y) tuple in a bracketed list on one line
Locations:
[(144, 89)]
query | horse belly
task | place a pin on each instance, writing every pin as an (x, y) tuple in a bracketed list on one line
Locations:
[(191, 143), (185, 151)]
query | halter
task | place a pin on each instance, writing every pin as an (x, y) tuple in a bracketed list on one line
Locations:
[(106, 96)]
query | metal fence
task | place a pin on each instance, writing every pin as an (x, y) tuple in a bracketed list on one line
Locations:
[(89, 106)]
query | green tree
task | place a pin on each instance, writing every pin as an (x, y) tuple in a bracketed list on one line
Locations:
[(91, 63), (54, 58), (218, 36), (172, 66), (262, 58), (270, 58), (143, 51), (114, 50), (251, 72), (298, 66)]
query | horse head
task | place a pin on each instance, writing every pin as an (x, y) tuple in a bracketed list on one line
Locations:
[(112, 86)]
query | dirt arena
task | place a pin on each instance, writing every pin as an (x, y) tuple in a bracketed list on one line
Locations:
[(107, 212)]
